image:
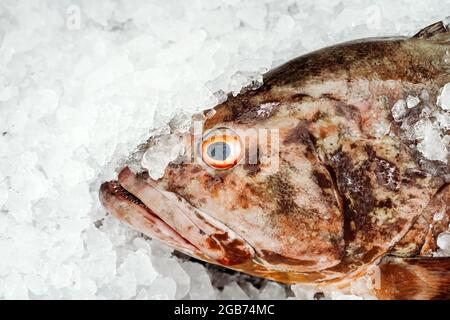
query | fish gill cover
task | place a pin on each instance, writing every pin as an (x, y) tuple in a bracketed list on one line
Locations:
[(83, 82)]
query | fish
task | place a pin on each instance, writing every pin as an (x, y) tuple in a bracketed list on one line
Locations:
[(318, 175)]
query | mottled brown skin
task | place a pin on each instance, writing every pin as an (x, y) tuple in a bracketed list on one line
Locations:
[(345, 195)]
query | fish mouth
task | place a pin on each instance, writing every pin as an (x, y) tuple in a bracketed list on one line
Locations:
[(128, 208), (139, 201)]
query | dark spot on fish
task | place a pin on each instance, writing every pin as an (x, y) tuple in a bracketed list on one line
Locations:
[(212, 244), (414, 174), (348, 111), (222, 236), (322, 180), (233, 252), (349, 224), (300, 134), (300, 97), (258, 112), (196, 169), (371, 254), (313, 139), (213, 183), (4, 133), (329, 96), (178, 188), (242, 108), (387, 175), (282, 191), (386, 172), (316, 116), (386, 203), (243, 201), (355, 186), (230, 110), (276, 258)]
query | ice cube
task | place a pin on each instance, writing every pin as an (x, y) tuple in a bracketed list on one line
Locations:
[(13, 287), (412, 101), (140, 265), (157, 157), (399, 110), (170, 267), (109, 71), (446, 22), (444, 98), (163, 288), (8, 93), (35, 283), (443, 241), (232, 291), (304, 292), (272, 290), (438, 215), (253, 15), (201, 287), (433, 145), (443, 119), (123, 286)]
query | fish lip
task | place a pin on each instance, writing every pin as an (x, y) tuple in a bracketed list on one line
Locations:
[(111, 191), (208, 240)]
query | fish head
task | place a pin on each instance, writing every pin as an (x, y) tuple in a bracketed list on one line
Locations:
[(247, 192), (263, 184)]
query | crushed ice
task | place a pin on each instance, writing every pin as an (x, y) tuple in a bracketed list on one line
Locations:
[(83, 82), (430, 128)]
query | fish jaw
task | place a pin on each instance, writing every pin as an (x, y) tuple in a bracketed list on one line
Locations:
[(124, 206), (129, 209), (214, 247), (145, 205), (181, 225)]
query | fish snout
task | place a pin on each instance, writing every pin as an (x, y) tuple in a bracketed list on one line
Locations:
[(142, 203)]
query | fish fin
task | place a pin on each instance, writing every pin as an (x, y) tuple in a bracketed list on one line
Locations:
[(438, 30), (437, 214), (421, 239), (421, 278)]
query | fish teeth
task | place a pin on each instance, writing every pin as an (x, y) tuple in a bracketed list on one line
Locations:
[(117, 188)]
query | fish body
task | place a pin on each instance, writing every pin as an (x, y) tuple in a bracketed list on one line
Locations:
[(335, 181)]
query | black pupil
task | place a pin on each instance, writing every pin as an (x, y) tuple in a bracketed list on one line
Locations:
[(219, 151)]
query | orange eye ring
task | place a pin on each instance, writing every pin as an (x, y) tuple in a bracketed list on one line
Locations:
[(222, 149)]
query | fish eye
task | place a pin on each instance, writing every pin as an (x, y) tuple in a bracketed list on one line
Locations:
[(218, 151), (221, 149)]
